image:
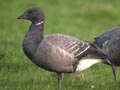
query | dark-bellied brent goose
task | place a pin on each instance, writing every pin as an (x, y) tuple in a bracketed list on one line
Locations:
[(56, 52), (109, 42)]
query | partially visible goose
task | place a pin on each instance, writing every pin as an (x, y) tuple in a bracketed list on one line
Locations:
[(56, 52), (109, 42)]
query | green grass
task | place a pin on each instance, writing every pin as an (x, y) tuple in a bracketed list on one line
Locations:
[(83, 19)]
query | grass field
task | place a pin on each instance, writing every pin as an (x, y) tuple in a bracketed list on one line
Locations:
[(83, 19)]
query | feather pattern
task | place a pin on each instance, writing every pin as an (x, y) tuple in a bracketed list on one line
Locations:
[(69, 44)]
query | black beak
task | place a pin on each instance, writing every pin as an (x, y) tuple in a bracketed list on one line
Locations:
[(23, 16)]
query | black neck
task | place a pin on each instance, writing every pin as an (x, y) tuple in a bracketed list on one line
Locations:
[(32, 39)]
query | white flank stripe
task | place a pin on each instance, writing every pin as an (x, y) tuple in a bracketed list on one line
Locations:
[(75, 50), (83, 43), (72, 47), (64, 52), (83, 50), (86, 63), (72, 43)]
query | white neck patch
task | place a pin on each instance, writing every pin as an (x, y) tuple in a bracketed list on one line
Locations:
[(39, 23)]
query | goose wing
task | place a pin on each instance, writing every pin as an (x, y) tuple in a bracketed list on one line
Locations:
[(69, 44)]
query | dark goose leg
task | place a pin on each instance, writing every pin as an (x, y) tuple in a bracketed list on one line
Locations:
[(59, 76), (114, 71)]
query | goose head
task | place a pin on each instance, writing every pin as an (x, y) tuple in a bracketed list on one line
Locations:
[(34, 14)]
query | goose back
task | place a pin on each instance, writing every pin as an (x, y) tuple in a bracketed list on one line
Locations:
[(114, 33)]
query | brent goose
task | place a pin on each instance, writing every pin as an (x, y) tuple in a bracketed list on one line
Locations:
[(109, 42), (56, 52)]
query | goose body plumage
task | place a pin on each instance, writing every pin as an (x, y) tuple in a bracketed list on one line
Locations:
[(59, 53)]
